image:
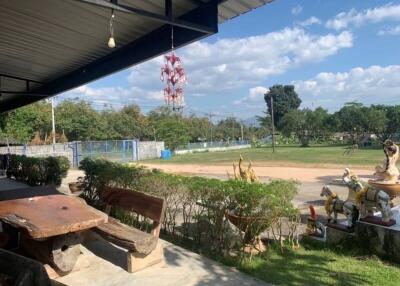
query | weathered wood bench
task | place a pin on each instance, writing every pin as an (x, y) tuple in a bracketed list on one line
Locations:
[(144, 249)]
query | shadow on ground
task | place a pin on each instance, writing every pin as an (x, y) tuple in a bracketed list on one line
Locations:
[(108, 252), (213, 273)]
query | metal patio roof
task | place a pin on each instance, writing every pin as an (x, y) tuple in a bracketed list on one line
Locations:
[(50, 46)]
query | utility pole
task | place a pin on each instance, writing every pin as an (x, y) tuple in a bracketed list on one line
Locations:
[(273, 124), (210, 116), (53, 125), (241, 130)]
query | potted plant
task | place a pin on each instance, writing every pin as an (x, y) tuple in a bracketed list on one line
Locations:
[(76, 187)]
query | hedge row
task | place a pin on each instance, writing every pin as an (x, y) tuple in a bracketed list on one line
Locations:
[(196, 206), (38, 171)]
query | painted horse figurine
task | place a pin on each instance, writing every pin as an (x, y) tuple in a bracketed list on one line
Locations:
[(368, 198), (335, 205), (314, 227)]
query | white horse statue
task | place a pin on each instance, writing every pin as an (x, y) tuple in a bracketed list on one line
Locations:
[(367, 198), (335, 205), (388, 172)]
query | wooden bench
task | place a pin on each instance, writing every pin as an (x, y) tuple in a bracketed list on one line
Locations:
[(144, 249)]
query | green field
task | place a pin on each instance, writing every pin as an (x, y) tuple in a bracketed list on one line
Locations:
[(311, 156)]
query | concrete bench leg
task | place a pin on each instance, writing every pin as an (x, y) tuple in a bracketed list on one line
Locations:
[(137, 261)]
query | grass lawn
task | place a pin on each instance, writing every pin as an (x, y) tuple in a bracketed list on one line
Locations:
[(317, 265), (311, 156)]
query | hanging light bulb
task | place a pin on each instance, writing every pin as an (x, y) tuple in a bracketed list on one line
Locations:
[(111, 41)]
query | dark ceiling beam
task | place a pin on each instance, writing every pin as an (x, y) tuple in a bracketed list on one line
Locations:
[(20, 78), (198, 2), (153, 16), (22, 93), (7, 105)]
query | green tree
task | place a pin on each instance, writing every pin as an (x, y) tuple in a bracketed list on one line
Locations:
[(21, 124), (284, 98), (200, 128), (228, 129), (79, 121), (392, 126), (169, 126), (318, 121), (126, 123), (359, 120), (306, 124), (265, 121)]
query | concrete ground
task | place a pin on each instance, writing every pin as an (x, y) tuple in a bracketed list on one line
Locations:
[(181, 267), (6, 184)]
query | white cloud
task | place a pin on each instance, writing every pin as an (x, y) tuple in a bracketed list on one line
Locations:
[(114, 96), (86, 92), (296, 10), (372, 85), (353, 17), (310, 21), (393, 31), (233, 63), (256, 94), (226, 65)]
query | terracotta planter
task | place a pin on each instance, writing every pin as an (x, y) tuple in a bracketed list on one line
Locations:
[(75, 187), (241, 222), (246, 224), (392, 189)]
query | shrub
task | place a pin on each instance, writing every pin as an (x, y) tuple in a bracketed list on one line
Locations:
[(55, 169), (38, 171), (100, 173), (197, 208)]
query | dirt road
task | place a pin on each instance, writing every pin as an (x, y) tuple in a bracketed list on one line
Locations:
[(301, 174)]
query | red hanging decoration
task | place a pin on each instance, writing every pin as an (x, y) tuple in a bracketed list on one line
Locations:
[(173, 74)]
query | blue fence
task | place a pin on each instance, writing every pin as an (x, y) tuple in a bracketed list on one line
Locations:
[(116, 150)]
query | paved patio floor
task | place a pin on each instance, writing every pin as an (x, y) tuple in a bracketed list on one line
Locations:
[(181, 267), (7, 184)]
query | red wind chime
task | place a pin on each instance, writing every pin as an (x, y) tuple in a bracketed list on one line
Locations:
[(173, 74)]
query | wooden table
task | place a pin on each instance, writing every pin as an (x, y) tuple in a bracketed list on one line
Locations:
[(50, 226)]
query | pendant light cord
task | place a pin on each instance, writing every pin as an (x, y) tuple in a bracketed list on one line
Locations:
[(172, 37), (112, 23)]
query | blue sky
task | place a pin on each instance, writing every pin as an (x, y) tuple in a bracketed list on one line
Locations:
[(332, 51)]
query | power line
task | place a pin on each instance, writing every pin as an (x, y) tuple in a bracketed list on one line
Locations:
[(100, 105)]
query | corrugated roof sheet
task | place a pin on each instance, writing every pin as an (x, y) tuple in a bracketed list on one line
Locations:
[(232, 8), (44, 40)]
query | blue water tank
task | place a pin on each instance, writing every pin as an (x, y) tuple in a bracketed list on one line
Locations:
[(166, 154)]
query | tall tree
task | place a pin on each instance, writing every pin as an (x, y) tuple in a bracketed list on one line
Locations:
[(169, 126), (358, 120), (79, 121), (200, 128), (228, 129), (392, 126), (126, 123), (284, 98), (24, 122), (305, 124)]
